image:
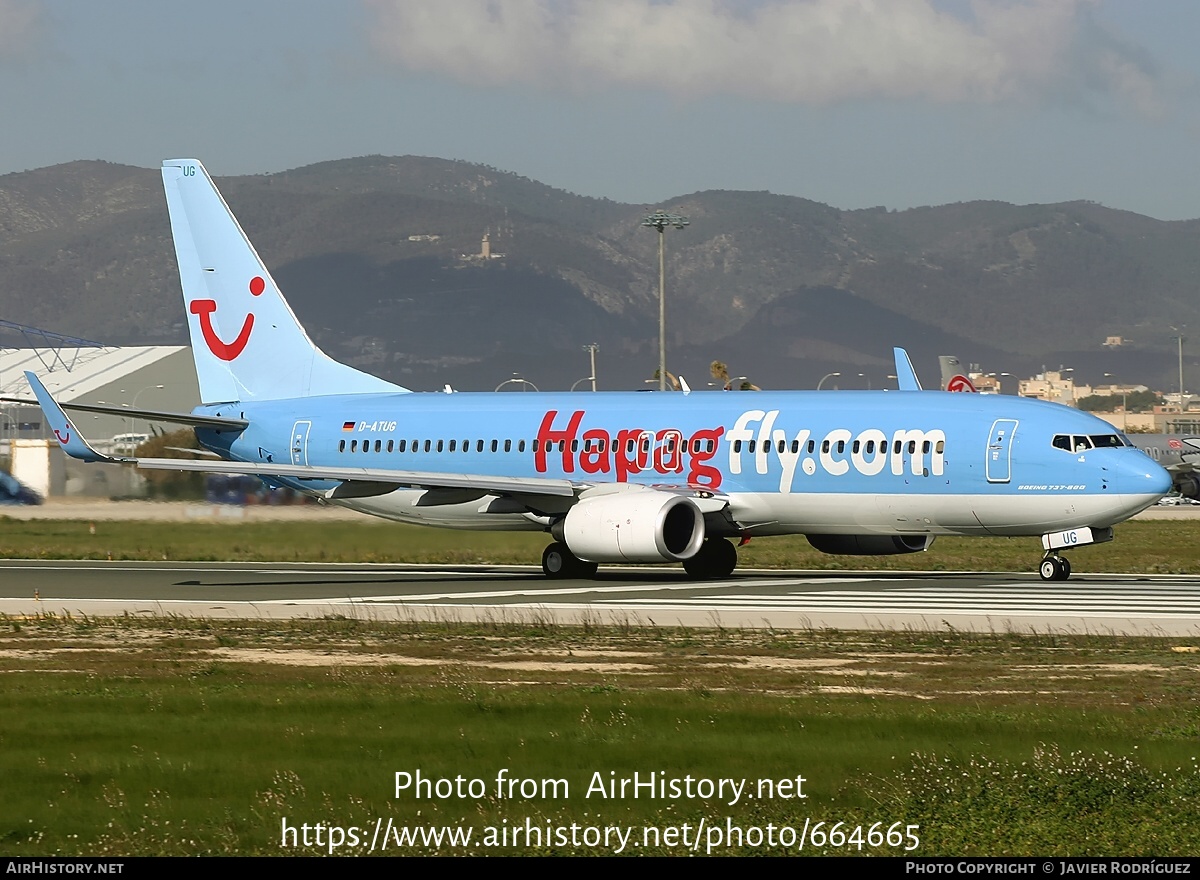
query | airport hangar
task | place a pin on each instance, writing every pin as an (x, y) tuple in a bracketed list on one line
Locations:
[(156, 377)]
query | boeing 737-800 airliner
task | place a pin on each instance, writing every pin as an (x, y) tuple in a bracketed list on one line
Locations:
[(621, 477)]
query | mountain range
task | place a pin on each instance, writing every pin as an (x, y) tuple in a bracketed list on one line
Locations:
[(380, 258)]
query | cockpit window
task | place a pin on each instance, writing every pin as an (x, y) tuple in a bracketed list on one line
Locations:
[(1082, 443)]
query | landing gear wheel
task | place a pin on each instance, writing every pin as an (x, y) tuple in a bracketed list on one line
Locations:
[(1055, 568), (559, 562), (556, 561), (716, 558)]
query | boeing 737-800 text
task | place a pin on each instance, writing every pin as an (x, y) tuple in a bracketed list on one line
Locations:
[(621, 477)]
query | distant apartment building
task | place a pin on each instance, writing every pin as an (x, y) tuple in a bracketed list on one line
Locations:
[(1056, 386), (986, 383)]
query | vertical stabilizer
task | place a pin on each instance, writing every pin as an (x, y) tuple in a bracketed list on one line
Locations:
[(954, 378), (246, 341)]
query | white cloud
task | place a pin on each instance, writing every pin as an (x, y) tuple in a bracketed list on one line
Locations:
[(18, 23), (792, 51)]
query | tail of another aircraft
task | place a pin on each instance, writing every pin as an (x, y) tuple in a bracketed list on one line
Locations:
[(246, 341), (953, 376)]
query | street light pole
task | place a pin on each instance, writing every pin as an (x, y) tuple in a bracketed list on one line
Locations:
[(517, 380), (593, 347), (139, 394), (1180, 371), (1124, 404), (1179, 339), (660, 220), (826, 376)]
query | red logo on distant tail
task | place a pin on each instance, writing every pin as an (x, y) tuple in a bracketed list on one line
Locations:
[(61, 439), (959, 383), (204, 308)]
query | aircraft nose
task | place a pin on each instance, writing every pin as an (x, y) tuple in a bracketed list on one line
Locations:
[(1144, 477), (1161, 480)]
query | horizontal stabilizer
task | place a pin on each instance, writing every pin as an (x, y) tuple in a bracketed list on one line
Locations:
[(145, 415)]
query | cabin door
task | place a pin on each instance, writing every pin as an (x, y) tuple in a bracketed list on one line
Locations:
[(299, 445), (999, 450)]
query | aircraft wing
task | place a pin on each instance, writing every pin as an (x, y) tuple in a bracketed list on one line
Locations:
[(146, 415), (361, 482), (1178, 467), (356, 481), (379, 477), (906, 376)]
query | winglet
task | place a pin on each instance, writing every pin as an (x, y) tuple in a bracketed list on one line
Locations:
[(906, 376), (68, 436)]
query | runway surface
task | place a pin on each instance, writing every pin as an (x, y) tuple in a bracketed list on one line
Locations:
[(996, 602)]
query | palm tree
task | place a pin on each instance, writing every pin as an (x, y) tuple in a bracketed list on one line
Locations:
[(720, 372)]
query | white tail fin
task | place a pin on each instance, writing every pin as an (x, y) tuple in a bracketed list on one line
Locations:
[(246, 341), (953, 376)]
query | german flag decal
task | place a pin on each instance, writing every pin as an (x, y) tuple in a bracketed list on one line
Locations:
[(348, 426)]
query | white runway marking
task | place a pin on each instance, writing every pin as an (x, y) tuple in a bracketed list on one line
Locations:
[(1109, 603), (1177, 601), (1132, 599)]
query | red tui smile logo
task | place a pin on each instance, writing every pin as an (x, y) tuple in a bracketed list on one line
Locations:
[(61, 439), (204, 308)]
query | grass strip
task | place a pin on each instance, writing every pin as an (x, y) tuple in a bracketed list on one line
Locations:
[(175, 736)]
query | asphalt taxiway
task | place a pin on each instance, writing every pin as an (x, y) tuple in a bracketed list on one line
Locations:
[(990, 602)]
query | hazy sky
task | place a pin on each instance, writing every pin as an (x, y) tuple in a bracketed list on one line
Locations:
[(853, 103)]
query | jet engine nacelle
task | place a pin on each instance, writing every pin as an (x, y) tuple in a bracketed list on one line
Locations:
[(1187, 485), (645, 526), (870, 545)]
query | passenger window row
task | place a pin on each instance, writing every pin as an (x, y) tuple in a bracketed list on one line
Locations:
[(589, 445), (840, 446)]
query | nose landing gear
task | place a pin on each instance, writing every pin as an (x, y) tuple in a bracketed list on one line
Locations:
[(1055, 568)]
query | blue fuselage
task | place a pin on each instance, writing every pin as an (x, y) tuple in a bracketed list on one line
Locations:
[(788, 462)]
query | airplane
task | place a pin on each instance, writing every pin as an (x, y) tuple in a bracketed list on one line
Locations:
[(1178, 454), (618, 477)]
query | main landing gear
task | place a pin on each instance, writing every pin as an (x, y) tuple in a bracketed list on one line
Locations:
[(716, 558), (559, 562), (1055, 568)]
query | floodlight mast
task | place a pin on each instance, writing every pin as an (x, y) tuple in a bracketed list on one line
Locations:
[(660, 220)]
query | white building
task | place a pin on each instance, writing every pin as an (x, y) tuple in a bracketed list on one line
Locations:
[(1057, 386), (156, 377)]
